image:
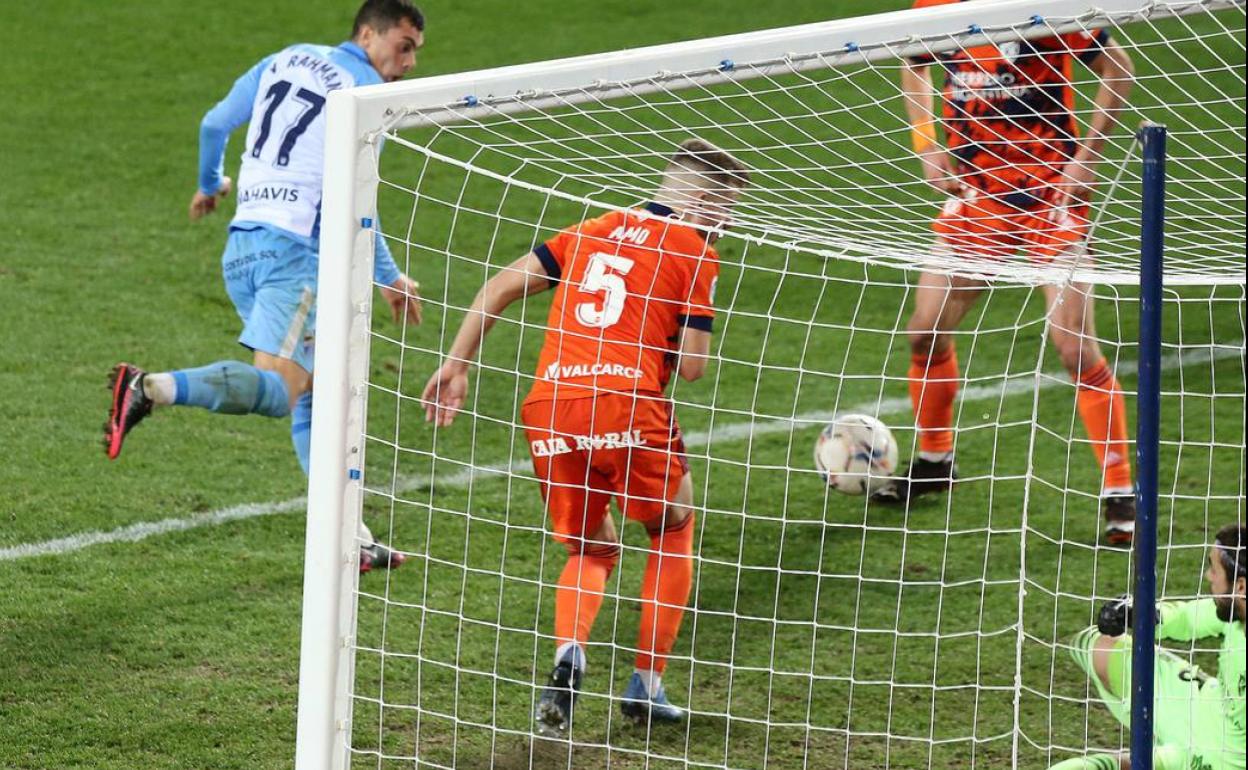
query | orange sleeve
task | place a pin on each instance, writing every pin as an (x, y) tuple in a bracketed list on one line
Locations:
[(1086, 46), (699, 311), (929, 3), (554, 253)]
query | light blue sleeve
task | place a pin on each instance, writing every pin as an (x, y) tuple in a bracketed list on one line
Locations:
[(385, 271), (215, 129)]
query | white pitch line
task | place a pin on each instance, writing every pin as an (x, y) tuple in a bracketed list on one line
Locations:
[(720, 434), (145, 529)]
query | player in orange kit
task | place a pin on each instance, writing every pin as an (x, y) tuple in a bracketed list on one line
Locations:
[(1019, 179), (633, 304)]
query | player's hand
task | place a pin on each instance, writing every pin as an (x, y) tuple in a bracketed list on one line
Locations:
[(1118, 615), (445, 392), (1115, 616), (938, 171), (403, 296), (202, 205)]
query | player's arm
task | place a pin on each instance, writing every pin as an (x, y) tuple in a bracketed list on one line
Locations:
[(1180, 621), (693, 354), (445, 392), (1185, 621), (214, 131), (1116, 74), (920, 95)]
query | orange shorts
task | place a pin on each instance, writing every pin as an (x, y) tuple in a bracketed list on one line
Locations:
[(989, 227), (588, 450)]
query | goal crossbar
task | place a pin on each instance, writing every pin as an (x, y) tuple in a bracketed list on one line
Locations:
[(563, 82)]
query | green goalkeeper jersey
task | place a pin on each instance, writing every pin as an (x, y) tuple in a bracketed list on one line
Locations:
[(1187, 621)]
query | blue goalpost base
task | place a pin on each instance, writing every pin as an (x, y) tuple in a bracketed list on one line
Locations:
[(1148, 414)]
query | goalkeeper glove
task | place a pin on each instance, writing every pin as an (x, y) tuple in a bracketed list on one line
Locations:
[(1118, 615)]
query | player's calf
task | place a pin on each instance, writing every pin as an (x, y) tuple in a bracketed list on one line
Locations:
[(233, 387)]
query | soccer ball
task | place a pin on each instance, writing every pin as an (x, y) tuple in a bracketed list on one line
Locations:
[(856, 454)]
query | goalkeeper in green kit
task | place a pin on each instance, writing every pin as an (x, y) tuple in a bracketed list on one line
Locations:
[(1199, 719)]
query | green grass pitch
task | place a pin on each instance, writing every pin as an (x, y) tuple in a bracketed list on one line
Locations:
[(824, 634)]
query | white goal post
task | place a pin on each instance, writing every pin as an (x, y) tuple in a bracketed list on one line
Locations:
[(361, 120)]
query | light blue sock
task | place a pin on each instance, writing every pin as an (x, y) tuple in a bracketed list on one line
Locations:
[(232, 387), (301, 429)]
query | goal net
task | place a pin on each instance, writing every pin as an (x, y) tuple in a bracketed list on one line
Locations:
[(823, 630)]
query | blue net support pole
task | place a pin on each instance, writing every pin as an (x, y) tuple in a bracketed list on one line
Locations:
[(1148, 418)]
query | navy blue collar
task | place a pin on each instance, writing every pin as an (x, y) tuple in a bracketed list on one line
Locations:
[(659, 210)]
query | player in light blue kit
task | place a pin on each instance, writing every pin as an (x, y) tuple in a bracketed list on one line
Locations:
[(270, 259)]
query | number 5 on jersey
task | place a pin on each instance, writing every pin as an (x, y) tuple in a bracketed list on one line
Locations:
[(597, 279)]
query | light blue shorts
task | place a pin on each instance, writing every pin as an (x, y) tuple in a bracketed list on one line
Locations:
[(271, 278)]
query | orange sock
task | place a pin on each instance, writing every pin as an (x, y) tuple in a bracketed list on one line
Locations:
[(1104, 413), (664, 592), (579, 595), (933, 387)]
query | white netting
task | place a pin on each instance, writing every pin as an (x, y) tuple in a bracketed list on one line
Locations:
[(826, 145), (822, 632)]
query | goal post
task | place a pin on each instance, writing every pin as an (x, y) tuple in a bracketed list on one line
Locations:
[(1148, 420), (819, 626), (334, 494)]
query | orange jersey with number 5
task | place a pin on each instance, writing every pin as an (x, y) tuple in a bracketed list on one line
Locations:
[(626, 284), (1008, 110)]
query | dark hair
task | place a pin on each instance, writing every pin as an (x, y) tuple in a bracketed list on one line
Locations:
[(1231, 542), (381, 15)]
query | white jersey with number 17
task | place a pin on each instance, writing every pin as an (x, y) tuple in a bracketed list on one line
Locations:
[(281, 175)]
